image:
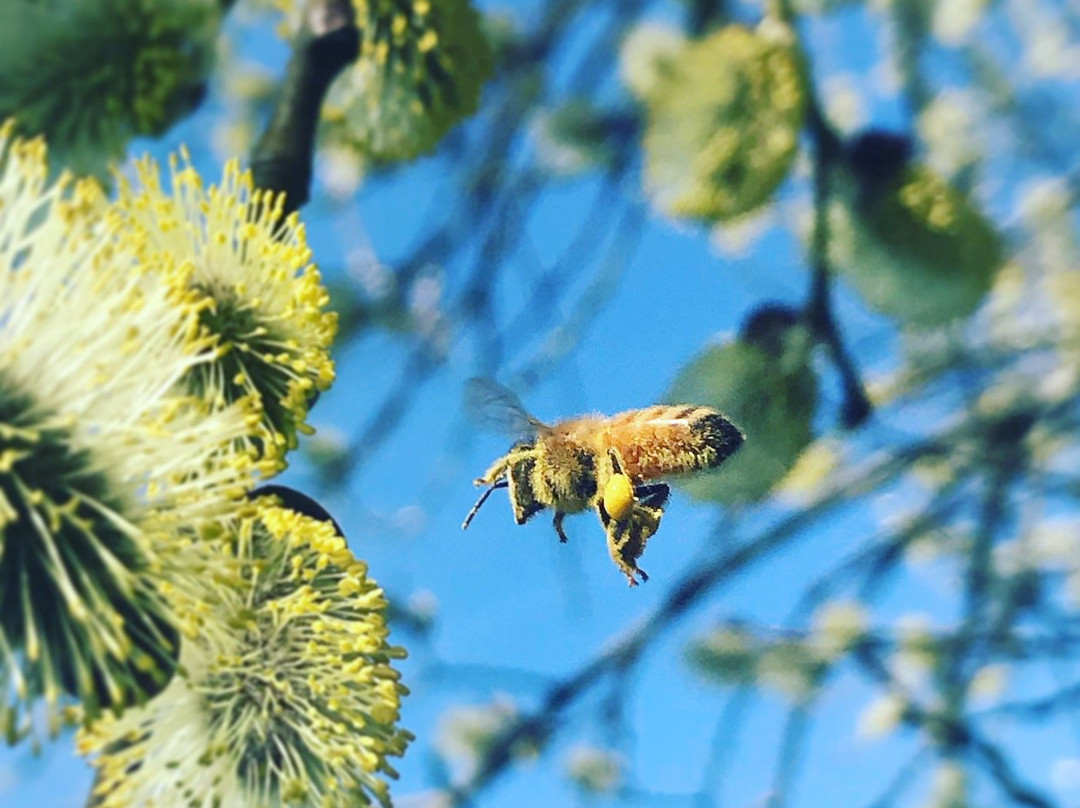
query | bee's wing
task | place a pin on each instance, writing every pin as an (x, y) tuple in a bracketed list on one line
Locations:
[(491, 405)]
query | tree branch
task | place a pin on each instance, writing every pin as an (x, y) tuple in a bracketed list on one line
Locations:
[(284, 156), (818, 310)]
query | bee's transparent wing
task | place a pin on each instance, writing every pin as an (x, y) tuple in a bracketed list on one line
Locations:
[(493, 406)]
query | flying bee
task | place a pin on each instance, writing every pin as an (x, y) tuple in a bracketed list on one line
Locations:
[(612, 465)]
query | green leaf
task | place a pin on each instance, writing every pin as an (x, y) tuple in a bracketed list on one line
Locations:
[(772, 407), (914, 248)]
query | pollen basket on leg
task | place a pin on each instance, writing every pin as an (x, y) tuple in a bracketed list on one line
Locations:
[(522, 490)]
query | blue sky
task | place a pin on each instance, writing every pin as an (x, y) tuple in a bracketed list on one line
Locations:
[(515, 609)]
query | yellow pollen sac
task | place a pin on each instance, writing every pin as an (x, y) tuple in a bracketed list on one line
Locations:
[(618, 496)]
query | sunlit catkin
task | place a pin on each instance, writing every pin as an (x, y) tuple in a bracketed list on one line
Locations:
[(98, 449), (262, 305), (288, 693)]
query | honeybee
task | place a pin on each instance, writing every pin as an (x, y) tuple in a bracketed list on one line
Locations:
[(610, 464)]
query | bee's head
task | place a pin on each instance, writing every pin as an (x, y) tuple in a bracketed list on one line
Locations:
[(524, 498), (511, 471)]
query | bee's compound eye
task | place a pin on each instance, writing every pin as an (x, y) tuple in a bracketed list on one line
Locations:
[(618, 496)]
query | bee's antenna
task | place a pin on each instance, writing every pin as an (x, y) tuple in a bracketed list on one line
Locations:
[(482, 500)]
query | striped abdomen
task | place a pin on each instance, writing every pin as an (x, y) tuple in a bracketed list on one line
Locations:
[(664, 440)]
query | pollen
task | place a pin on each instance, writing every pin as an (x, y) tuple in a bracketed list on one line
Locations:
[(618, 496)]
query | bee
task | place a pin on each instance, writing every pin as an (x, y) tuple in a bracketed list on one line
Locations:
[(612, 465)]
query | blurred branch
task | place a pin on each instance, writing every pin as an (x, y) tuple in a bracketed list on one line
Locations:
[(903, 778), (283, 158), (1040, 709), (723, 742), (910, 21), (827, 149), (547, 290), (881, 554), (976, 592), (953, 734), (490, 676), (795, 729), (567, 335), (391, 411)]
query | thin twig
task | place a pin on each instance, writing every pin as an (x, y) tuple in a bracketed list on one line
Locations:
[(904, 777), (787, 764), (818, 310), (723, 742)]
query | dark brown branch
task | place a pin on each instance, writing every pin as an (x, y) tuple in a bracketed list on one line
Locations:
[(819, 313), (283, 159), (827, 150)]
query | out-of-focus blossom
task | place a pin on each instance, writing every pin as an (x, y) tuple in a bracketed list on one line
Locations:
[(100, 450), (954, 20), (723, 121), (914, 247), (421, 68), (881, 716), (645, 54), (838, 626), (466, 733), (90, 75), (595, 770)]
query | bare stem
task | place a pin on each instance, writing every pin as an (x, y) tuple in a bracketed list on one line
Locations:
[(283, 158), (818, 310)]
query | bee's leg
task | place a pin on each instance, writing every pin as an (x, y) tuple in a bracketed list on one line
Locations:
[(557, 521), (624, 545), (622, 551), (601, 511), (483, 498), (617, 465), (654, 495)]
